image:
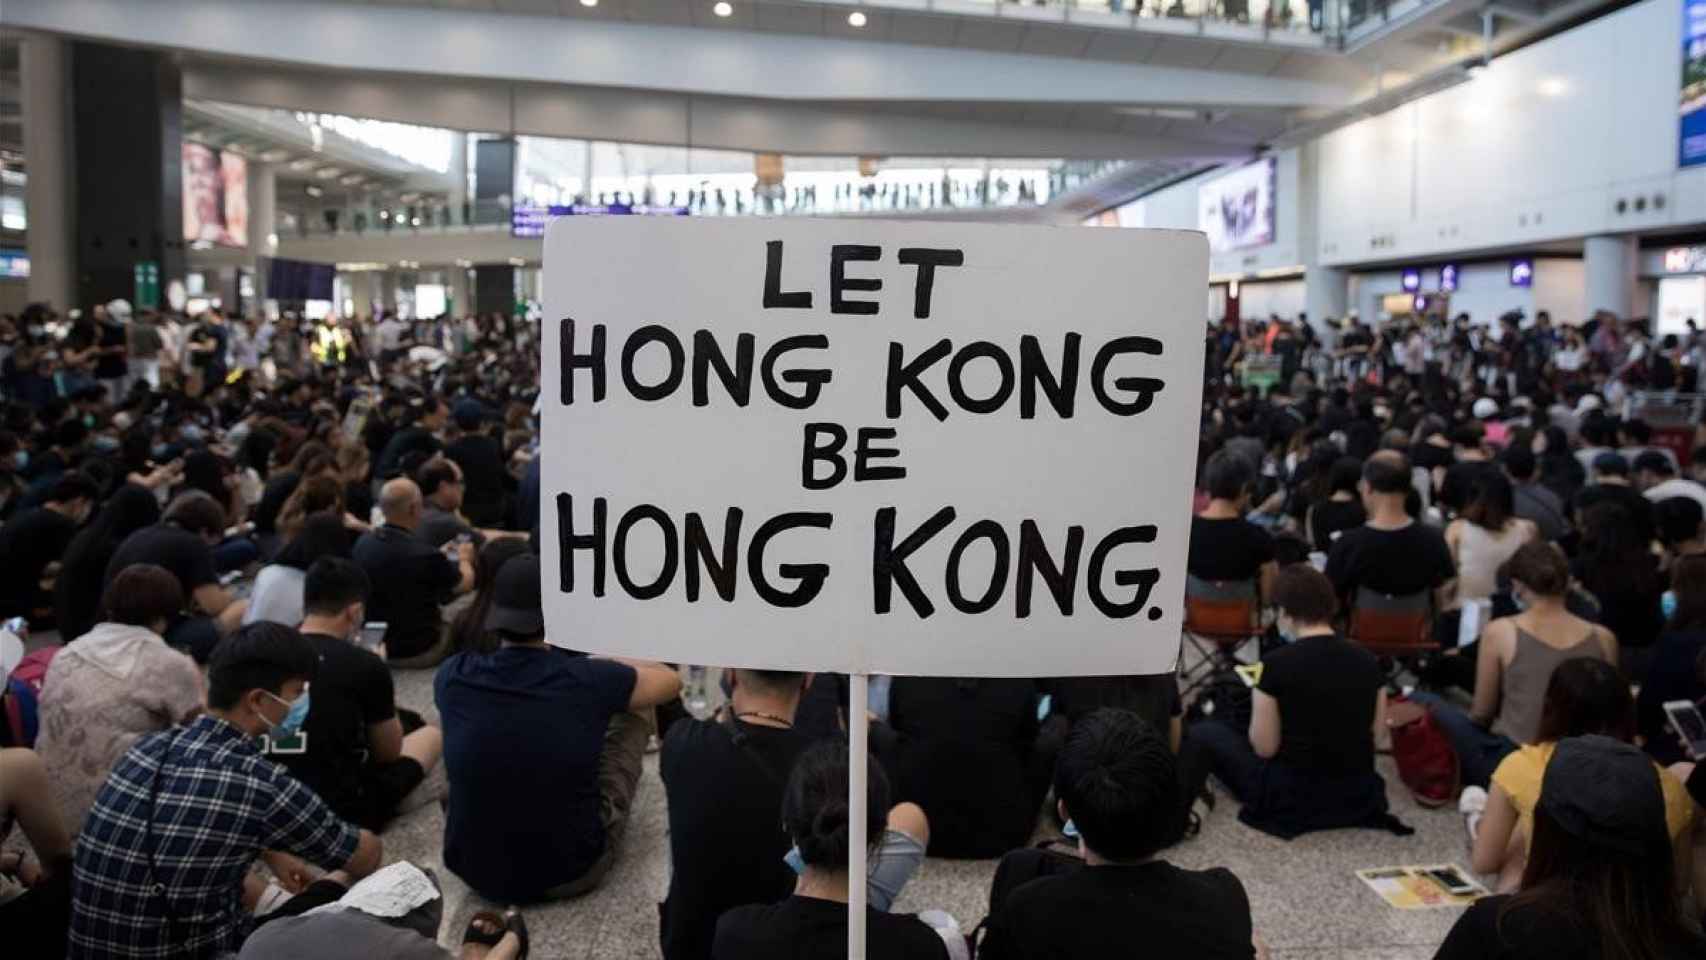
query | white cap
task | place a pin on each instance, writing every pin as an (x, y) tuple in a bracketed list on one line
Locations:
[(1588, 402), (119, 309), (1485, 407), (11, 653)]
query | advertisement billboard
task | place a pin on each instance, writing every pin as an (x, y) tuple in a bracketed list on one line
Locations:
[(1237, 210), (1691, 139), (216, 196)]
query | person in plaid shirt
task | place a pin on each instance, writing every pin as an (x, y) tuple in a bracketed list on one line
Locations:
[(160, 865)]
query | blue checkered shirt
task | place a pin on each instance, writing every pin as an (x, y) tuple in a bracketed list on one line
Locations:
[(219, 803)]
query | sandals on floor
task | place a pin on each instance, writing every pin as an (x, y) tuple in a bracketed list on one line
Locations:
[(473, 934), (515, 923)]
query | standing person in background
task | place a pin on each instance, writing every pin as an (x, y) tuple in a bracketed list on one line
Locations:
[(145, 347)]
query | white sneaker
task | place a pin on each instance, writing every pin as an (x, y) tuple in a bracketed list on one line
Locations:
[(1472, 803)]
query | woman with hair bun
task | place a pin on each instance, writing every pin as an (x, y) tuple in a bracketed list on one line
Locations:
[(812, 924)]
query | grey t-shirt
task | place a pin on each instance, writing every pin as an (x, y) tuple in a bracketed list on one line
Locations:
[(439, 527)]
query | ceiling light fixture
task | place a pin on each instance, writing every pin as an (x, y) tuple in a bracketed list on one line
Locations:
[(589, 3), (856, 18), (723, 8)]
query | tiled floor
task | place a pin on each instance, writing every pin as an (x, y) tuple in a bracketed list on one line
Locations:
[(1305, 898)]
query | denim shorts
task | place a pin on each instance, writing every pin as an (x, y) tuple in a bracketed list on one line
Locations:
[(894, 863)]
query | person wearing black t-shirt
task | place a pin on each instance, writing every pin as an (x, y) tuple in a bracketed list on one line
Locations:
[(1342, 509), (482, 461), (812, 924), (353, 750), (724, 779), (32, 543), (1307, 760), (1115, 782), (1611, 485), (1391, 553), (183, 542), (411, 578), (1225, 546), (420, 436)]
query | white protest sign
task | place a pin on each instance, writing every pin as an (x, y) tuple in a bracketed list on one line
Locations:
[(870, 447)]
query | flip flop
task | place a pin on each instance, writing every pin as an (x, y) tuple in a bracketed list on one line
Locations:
[(515, 923), (491, 938)]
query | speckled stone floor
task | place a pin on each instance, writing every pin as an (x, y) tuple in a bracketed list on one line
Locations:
[(1305, 897)]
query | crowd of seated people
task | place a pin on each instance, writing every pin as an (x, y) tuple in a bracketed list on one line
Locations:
[(222, 566)]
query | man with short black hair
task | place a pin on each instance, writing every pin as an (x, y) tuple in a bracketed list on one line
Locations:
[(32, 543), (1611, 485), (354, 751), (160, 867), (1117, 783), (1531, 499), (1655, 477), (482, 461), (1391, 553), (183, 543), (543, 750)]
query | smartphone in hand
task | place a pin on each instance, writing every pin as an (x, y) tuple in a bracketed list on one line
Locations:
[(1689, 725)]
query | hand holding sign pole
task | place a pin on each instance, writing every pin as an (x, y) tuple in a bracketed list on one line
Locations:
[(902, 448)]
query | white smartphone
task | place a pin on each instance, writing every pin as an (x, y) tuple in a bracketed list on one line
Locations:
[(372, 637), (1686, 720)]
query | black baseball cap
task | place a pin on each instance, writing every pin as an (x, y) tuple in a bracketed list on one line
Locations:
[(516, 604), (1652, 461), (1605, 792), (1611, 464)]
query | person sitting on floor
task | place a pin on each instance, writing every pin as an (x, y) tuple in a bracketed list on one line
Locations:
[(117, 683), (161, 868), (354, 750), (1585, 696), (1307, 761), (724, 780), (411, 579), (543, 751), (1598, 883), (1514, 661), (1392, 553), (35, 893), (812, 924), (1115, 782)]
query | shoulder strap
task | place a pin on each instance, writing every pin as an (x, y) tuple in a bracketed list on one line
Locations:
[(743, 742)]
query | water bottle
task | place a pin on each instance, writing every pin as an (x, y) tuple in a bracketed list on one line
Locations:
[(695, 695)]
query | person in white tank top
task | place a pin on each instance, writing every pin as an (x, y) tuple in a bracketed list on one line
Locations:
[(1484, 536)]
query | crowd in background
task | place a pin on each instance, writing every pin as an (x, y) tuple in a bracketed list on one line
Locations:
[(223, 536)]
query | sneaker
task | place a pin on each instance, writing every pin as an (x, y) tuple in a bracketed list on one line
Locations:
[(1472, 803)]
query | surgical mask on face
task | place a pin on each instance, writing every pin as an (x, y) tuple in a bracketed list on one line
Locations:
[(89, 420), (158, 451), (1667, 604), (794, 861), (296, 712)]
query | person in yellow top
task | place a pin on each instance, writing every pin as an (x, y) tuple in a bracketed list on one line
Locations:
[(1584, 696)]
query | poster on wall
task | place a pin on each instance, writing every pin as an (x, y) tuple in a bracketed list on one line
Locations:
[(216, 196), (1237, 210), (1692, 139), (870, 447)]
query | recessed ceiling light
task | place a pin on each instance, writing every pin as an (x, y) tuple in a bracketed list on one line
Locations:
[(589, 3), (856, 18), (723, 8)]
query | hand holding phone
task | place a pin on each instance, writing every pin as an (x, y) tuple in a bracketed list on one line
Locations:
[(372, 637), (1689, 725)]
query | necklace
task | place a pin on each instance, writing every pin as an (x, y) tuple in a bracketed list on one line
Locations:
[(756, 715)]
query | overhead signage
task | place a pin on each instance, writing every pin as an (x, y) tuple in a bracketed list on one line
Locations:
[(870, 447), (530, 221), (1522, 273)]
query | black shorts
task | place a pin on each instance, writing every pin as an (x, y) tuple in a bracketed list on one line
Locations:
[(383, 787)]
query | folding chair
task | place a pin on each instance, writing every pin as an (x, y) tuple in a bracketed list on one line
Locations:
[(1396, 628), (1220, 617)]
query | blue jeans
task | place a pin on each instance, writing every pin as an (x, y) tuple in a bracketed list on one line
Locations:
[(1479, 750)]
